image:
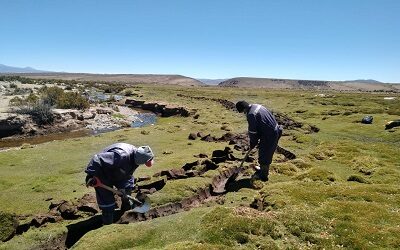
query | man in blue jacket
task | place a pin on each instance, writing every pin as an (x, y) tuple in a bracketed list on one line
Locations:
[(114, 166), (263, 130)]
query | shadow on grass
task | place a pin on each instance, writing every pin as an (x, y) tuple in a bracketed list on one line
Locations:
[(77, 230), (236, 185)]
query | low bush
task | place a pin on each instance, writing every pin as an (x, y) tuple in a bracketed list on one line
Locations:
[(39, 111), (72, 100)]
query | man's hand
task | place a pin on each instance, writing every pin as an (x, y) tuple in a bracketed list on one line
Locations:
[(125, 193), (90, 181)]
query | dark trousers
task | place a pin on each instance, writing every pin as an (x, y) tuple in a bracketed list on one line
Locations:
[(266, 150), (267, 146)]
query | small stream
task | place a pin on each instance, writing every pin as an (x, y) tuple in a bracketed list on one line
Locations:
[(139, 120), (143, 119)]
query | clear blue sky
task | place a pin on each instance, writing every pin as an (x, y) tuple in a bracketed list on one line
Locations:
[(303, 39)]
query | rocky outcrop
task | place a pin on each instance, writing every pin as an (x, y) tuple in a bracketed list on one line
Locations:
[(165, 110), (13, 124), (97, 118)]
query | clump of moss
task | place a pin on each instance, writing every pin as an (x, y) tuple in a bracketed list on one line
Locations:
[(323, 154), (301, 163), (8, 226), (222, 226), (301, 138), (285, 168), (365, 164), (357, 178), (317, 174)]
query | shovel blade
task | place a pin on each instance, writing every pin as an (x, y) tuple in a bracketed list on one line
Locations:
[(144, 207)]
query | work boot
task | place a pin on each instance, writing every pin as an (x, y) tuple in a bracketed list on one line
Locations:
[(261, 173), (107, 217)]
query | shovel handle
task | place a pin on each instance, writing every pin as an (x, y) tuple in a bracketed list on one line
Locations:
[(245, 157), (117, 192)]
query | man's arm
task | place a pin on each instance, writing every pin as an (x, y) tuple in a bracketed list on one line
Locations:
[(102, 161), (253, 135)]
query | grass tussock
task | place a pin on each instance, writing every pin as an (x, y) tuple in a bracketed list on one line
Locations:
[(317, 174), (307, 203)]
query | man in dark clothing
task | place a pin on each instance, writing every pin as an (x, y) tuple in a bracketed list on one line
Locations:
[(114, 166), (263, 130)]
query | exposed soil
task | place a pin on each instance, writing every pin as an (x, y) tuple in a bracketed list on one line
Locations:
[(86, 207), (224, 182), (282, 119), (163, 109)]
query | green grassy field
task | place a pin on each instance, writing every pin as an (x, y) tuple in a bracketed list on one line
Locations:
[(341, 192)]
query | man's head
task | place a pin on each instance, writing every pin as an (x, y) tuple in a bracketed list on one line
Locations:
[(242, 106), (144, 155)]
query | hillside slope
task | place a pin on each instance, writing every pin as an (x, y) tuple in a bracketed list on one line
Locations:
[(309, 84), (123, 78)]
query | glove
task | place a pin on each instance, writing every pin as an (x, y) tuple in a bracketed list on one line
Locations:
[(124, 193), (90, 181)]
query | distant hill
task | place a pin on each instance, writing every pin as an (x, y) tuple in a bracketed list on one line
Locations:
[(123, 78), (353, 85), (211, 81), (365, 81), (10, 69)]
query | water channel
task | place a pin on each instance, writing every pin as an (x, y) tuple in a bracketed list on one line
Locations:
[(139, 120)]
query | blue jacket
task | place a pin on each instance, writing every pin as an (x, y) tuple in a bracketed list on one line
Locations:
[(114, 164), (262, 124)]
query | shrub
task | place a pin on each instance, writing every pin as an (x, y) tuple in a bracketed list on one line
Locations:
[(128, 92), (71, 100), (50, 95), (55, 96), (39, 111), (13, 85), (17, 101)]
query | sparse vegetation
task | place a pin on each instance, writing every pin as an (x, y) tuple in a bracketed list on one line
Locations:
[(340, 192)]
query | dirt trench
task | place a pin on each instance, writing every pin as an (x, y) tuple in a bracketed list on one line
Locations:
[(282, 119), (86, 207)]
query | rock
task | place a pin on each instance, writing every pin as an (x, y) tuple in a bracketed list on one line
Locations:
[(104, 111), (88, 204), (201, 155), (192, 136), (143, 178), (165, 110), (190, 165), (42, 219), (208, 138), (88, 115), (65, 114), (200, 134), (12, 124), (68, 211)]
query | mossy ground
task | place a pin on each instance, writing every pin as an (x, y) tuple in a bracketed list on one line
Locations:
[(341, 191)]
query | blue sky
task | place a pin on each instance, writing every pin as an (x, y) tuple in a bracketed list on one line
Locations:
[(297, 39)]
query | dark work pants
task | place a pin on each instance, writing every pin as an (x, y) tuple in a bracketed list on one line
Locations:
[(267, 147)]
